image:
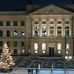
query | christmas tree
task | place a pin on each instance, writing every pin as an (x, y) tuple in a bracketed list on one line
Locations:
[(6, 61)]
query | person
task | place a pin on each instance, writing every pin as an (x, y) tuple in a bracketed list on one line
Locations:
[(36, 70), (29, 71)]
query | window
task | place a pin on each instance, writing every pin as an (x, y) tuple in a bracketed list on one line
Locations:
[(1, 43), (22, 43), (43, 51), (43, 46), (15, 43), (8, 33), (36, 31), (35, 46), (15, 23), (15, 34), (59, 22), (23, 50), (1, 33), (8, 43), (59, 31), (36, 51), (1, 23), (67, 48), (44, 22), (36, 22), (67, 31), (15, 51), (22, 33), (7, 23), (44, 31), (51, 31), (67, 22), (51, 22), (59, 47), (22, 23)]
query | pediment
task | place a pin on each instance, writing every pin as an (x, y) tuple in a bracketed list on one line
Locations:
[(51, 9)]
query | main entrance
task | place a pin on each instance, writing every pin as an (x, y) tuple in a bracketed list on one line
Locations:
[(51, 51)]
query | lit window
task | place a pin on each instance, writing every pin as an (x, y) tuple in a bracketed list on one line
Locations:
[(43, 51), (35, 46), (67, 46), (59, 46), (44, 31), (22, 34), (43, 46), (15, 33), (36, 31), (36, 51), (23, 51)]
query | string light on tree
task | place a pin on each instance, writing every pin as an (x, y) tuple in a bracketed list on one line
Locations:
[(6, 61)]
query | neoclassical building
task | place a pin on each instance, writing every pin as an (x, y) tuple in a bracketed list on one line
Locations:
[(45, 31)]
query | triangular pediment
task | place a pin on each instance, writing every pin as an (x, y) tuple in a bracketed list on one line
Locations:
[(51, 9)]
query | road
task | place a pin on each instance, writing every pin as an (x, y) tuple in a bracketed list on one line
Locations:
[(43, 71)]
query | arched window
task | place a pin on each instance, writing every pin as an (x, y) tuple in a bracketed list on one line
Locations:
[(59, 31), (15, 51), (67, 31), (51, 31), (44, 31), (1, 33), (15, 34), (36, 31), (8, 33)]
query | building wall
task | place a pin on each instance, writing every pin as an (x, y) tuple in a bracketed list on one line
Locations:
[(51, 42), (44, 21)]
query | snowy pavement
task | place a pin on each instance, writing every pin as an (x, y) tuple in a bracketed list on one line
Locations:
[(47, 71)]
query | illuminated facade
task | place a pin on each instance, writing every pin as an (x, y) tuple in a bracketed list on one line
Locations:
[(46, 31)]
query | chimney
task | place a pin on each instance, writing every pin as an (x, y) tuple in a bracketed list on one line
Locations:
[(29, 5)]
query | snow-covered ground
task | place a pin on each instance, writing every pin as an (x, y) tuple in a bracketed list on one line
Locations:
[(47, 71)]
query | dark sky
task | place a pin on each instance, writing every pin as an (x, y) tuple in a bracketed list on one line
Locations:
[(20, 4)]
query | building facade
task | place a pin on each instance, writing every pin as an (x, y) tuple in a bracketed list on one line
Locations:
[(46, 31)]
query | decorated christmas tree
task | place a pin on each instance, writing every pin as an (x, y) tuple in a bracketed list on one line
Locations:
[(6, 61)]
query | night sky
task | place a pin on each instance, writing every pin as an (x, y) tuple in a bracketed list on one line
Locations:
[(20, 4)]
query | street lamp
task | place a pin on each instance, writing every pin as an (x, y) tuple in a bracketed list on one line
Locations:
[(68, 58)]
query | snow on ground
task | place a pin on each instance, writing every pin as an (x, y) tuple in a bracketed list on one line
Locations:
[(48, 71)]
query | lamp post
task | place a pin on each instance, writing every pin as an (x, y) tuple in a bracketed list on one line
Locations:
[(67, 58)]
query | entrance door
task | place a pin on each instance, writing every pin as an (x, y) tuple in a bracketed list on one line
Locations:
[(51, 51)]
